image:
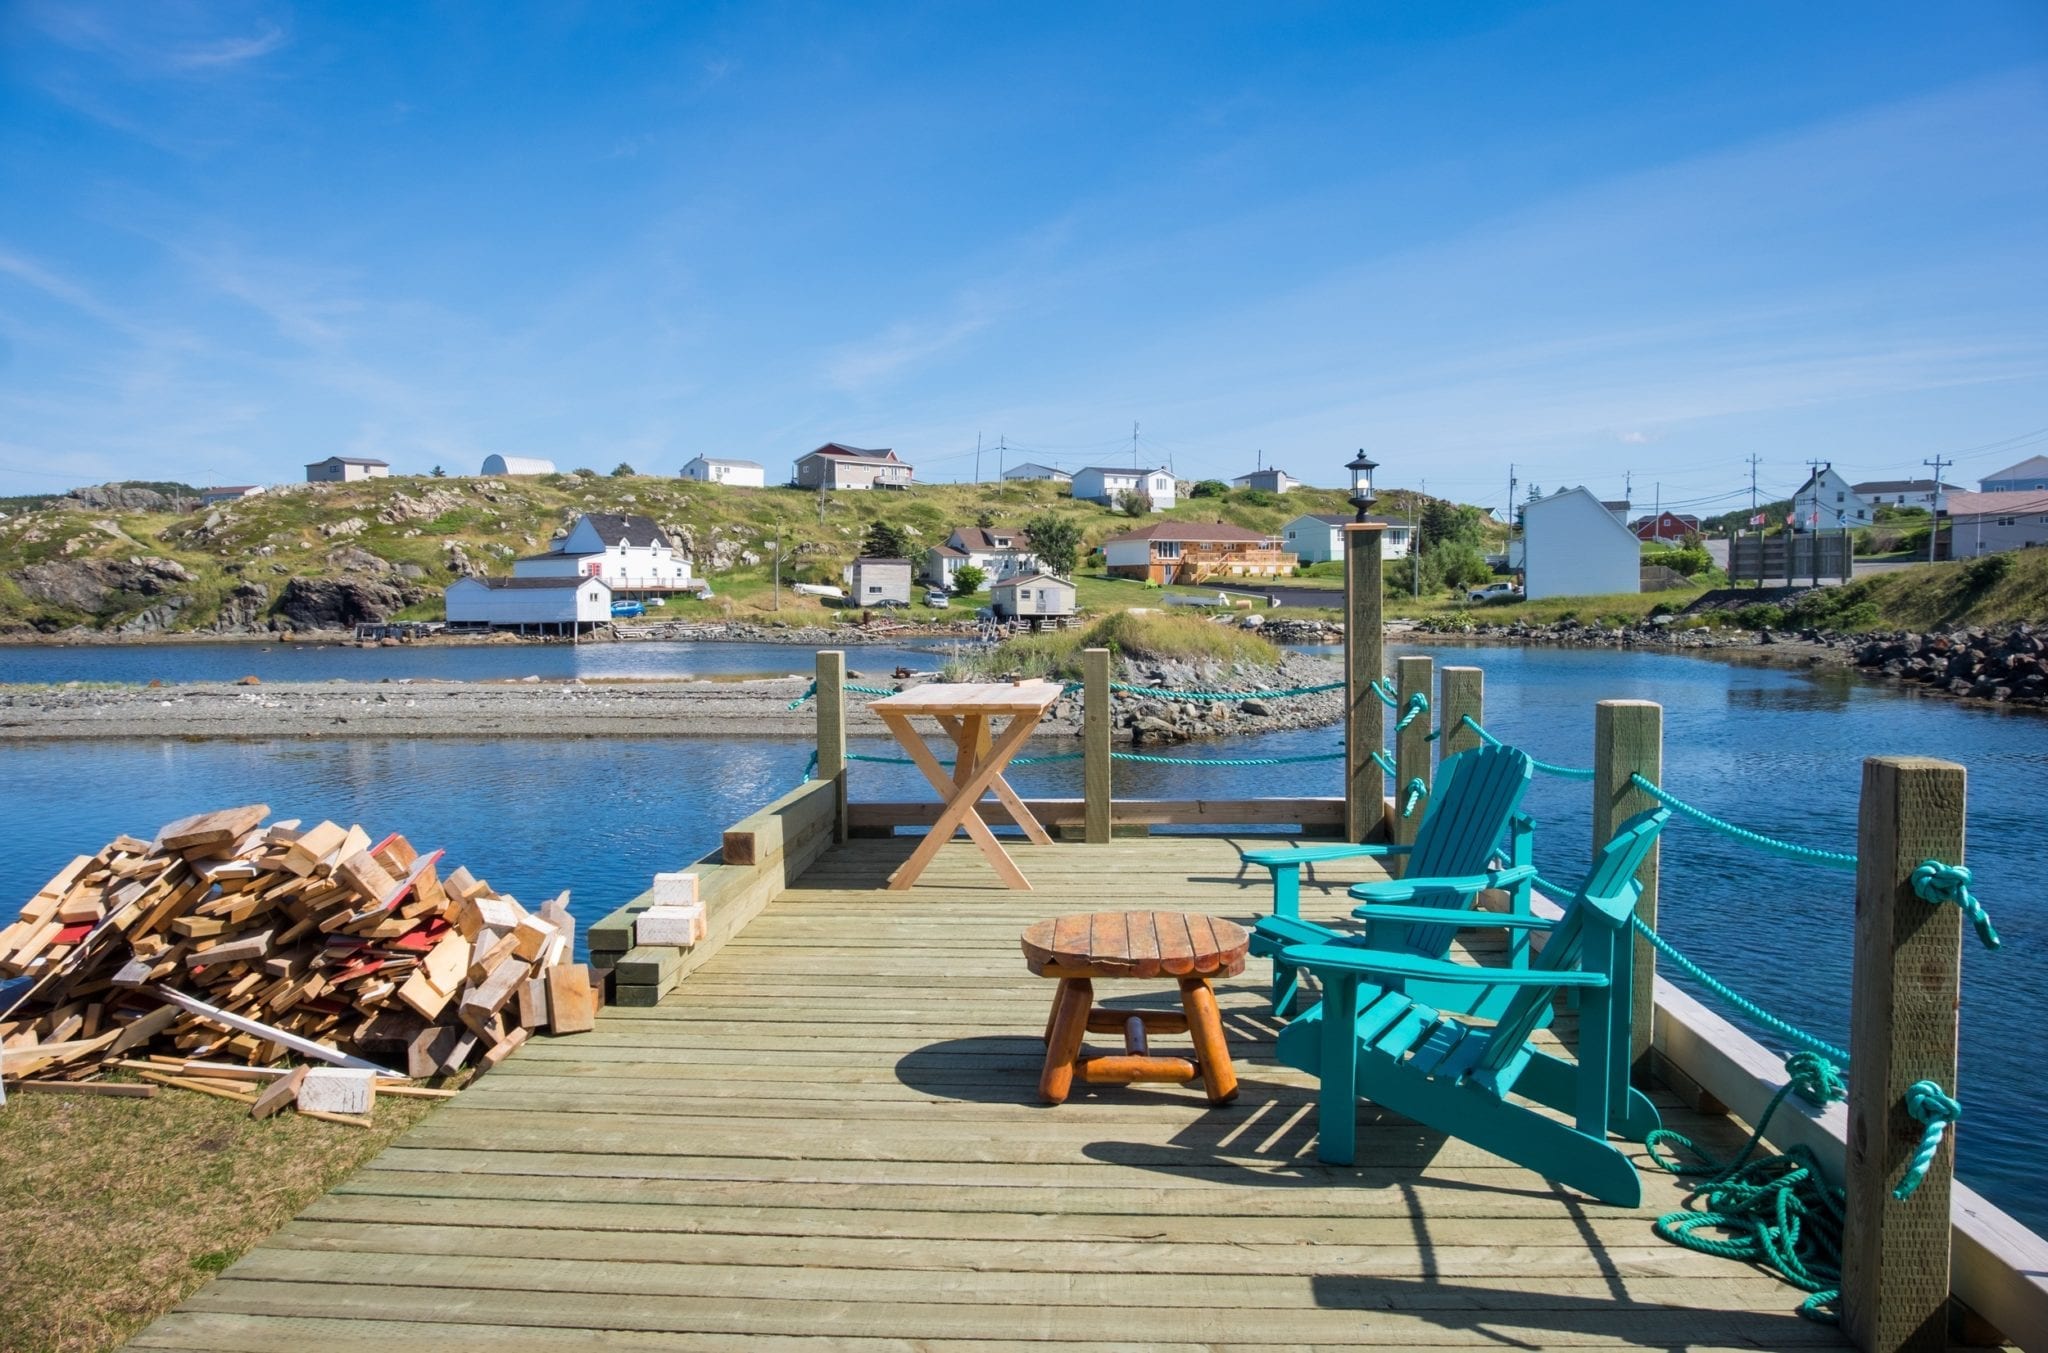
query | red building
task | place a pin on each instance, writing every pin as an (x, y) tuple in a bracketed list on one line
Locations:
[(1669, 527)]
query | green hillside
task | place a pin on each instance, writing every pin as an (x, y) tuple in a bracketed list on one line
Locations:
[(305, 551)]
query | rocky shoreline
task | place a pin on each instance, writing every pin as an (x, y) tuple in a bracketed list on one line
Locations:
[(2001, 666), (530, 707), (713, 631)]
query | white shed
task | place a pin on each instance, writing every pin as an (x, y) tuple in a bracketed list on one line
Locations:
[(880, 582), (516, 465), (1034, 597), (742, 474), (543, 605), (1572, 546)]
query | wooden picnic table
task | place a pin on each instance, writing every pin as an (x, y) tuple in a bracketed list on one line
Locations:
[(966, 711)]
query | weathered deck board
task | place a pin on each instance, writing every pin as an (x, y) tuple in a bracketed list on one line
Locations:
[(829, 1137)]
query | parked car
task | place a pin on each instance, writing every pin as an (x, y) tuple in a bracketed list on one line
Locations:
[(622, 609), (937, 598), (1494, 592), (657, 601)]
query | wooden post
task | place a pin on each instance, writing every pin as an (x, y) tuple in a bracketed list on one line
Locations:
[(1365, 660), (832, 729), (1095, 726), (1902, 1029), (1411, 747), (1628, 737), (1461, 691)]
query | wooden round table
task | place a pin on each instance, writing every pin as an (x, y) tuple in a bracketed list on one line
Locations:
[(1080, 948)]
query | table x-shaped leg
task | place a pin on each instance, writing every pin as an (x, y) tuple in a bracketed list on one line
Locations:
[(960, 796), (970, 735)]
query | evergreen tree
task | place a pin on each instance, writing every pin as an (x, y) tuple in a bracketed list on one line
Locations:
[(884, 541)]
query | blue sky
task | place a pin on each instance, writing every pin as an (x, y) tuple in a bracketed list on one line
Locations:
[(1599, 242)]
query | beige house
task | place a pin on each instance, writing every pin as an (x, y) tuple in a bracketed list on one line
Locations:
[(344, 469), (838, 466), (879, 582), (1196, 552)]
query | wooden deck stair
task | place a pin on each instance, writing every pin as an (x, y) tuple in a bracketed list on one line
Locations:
[(828, 1137)]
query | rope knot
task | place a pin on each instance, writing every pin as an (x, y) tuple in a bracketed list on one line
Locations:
[(1815, 1079), (1936, 883), (1416, 792), (1935, 1110), (1418, 704)]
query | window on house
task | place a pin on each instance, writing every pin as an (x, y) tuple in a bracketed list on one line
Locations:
[(1166, 549), (1024, 594), (874, 588)]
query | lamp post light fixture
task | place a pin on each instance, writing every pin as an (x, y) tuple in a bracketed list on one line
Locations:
[(1362, 496)]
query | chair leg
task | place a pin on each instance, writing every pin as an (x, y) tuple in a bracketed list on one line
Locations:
[(1337, 1096), (1286, 986), (1063, 1048)]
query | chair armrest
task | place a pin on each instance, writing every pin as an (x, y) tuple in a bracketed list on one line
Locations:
[(1319, 958), (1455, 916), (1287, 855), (1406, 890)]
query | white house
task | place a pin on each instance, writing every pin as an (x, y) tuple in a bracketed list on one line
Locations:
[(516, 465), (879, 582), (1901, 492), (2030, 475), (541, 605), (344, 469), (998, 551), (1102, 484), (1573, 546), (1318, 537), (228, 493), (836, 465), (1033, 597), (743, 474), (1986, 523), (1033, 470), (1826, 502), (1272, 481), (629, 553)]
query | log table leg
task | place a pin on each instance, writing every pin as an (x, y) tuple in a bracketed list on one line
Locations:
[(1205, 1026), (1070, 1007)]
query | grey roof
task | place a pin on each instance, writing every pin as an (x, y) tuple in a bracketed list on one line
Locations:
[(857, 452), (532, 584), (877, 559), (728, 460), (614, 527), (1898, 486), (949, 552), (350, 460), (1032, 578), (1119, 469)]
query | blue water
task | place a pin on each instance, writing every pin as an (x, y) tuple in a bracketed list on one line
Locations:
[(640, 660), (1774, 750)]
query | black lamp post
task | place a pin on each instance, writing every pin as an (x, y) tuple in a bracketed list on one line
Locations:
[(1362, 496)]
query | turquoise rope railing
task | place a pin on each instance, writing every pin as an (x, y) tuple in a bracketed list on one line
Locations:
[(1565, 772), (812, 690), (1927, 1102), (1833, 859), (1384, 762), (1417, 792), (1937, 883), (947, 761), (1150, 760)]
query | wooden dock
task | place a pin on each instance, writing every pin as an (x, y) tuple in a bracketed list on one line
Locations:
[(828, 1136)]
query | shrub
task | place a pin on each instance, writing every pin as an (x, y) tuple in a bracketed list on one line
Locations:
[(1132, 503), (1256, 497), (1761, 615), (1689, 562), (967, 580), (1987, 571), (1209, 488)]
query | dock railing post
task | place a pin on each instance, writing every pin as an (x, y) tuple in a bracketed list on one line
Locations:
[(1412, 677), (1095, 726), (1365, 660), (1628, 739), (1461, 693), (832, 729), (1902, 1029)]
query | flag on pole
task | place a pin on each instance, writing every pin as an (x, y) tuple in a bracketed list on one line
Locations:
[(1757, 520)]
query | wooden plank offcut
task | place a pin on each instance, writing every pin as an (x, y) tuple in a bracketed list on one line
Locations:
[(829, 1137)]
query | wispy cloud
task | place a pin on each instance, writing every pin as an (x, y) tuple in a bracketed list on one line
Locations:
[(894, 351), (224, 52), (168, 39)]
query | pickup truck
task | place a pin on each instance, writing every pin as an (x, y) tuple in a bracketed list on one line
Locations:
[(1494, 592)]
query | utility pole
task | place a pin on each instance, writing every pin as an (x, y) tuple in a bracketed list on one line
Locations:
[(1813, 514), (977, 457), (1754, 460), (1512, 482), (1002, 453), (1934, 523), (1415, 564), (1134, 443), (778, 563), (1628, 486)]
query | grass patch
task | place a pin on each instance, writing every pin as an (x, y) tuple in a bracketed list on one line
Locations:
[(1056, 654), (1995, 589), (1622, 608), (114, 1210)]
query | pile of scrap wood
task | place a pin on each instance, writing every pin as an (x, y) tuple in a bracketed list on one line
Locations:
[(222, 946)]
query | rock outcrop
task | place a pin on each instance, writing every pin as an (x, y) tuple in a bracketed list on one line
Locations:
[(1979, 664), (341, 603)]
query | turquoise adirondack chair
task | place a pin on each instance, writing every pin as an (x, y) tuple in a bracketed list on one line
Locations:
[(1454, 1075), (1455, 854)]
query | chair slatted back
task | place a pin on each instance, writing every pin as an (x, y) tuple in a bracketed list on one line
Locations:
[(1606, 900), (1464, 821)]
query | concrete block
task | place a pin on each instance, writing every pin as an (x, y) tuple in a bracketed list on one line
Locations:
[(335, 1089)]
